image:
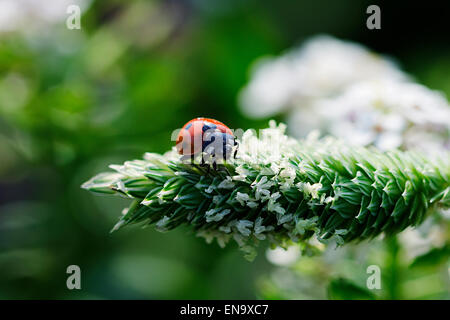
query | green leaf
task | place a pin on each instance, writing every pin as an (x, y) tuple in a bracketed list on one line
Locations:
[(434, 257), (343, 289)]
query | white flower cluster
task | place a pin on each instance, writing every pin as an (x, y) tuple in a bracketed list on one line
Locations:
[(345, 90), (263, 163), (269, 148)]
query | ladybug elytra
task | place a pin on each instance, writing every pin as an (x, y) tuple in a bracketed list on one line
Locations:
[(210, 137)]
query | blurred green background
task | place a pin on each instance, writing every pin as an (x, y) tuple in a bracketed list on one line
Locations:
[(74, 101)]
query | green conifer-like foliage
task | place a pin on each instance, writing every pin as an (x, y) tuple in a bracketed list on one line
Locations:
[(282, 190)]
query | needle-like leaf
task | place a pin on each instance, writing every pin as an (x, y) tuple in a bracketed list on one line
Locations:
[(283, 190)]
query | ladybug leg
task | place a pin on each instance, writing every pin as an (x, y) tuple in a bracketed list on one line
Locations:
[(204, 165), (202, 162)]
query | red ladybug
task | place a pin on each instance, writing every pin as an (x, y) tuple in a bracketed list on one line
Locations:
[(208, 136)]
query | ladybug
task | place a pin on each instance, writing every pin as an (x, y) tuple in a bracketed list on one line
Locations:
[(209, 137)]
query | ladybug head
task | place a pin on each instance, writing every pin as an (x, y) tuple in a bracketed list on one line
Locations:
[(219, 145)]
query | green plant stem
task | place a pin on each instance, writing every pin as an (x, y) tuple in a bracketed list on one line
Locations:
[(282, 190)]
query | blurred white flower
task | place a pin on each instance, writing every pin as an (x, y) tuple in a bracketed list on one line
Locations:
[(387, 114), (421, 240), (272, 87), (330, 64), (323, 66), (343, 89), (31, 15), (283, 257)]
